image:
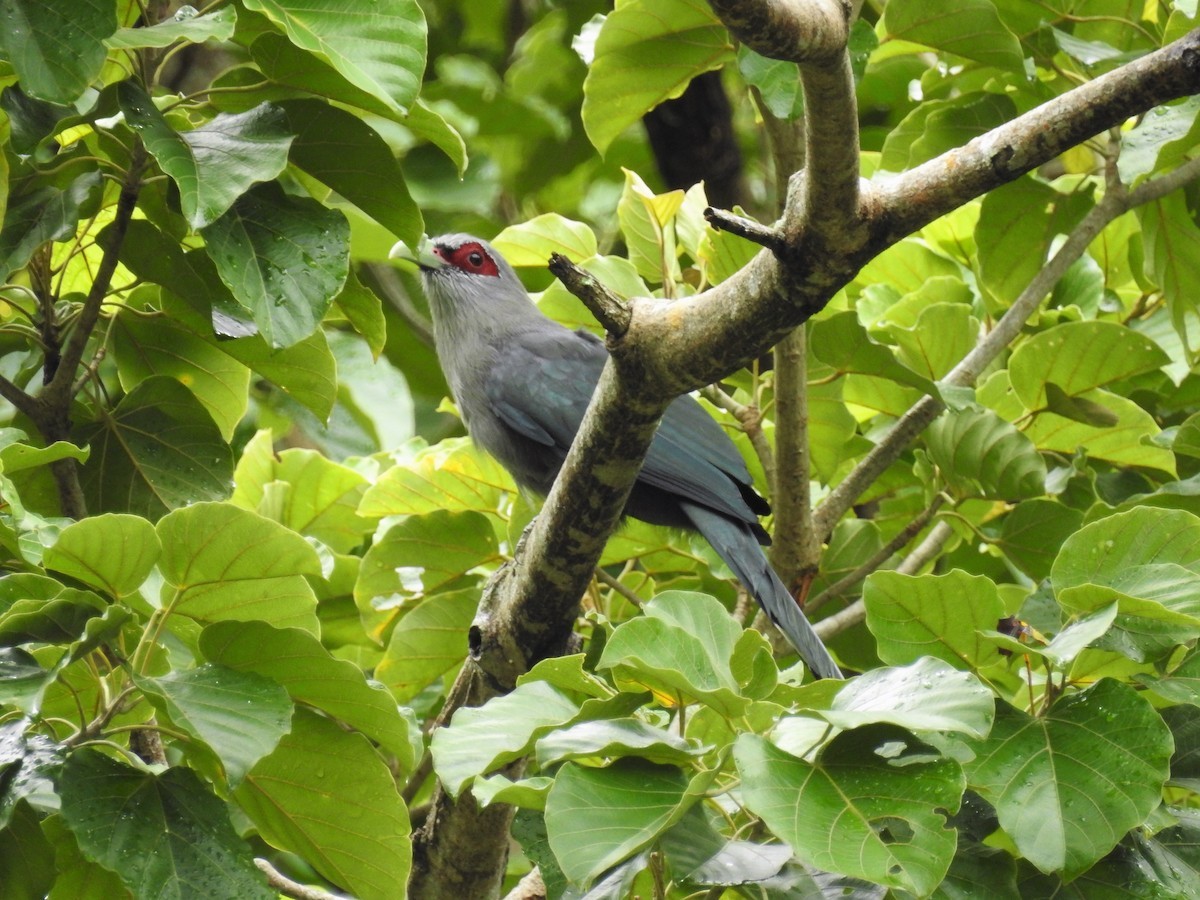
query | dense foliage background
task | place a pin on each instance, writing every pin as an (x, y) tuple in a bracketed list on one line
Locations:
[(244, 538)]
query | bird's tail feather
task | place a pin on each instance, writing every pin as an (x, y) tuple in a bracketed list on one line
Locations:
[(735, 543)]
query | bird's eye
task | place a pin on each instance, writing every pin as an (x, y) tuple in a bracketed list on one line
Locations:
[(475, 259)]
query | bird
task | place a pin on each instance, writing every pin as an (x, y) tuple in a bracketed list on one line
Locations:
[(522, 383)]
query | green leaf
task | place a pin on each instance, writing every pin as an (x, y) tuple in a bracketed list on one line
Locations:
[(216, 163), (597, 817), (874, 804), (939, 126), (926, 695), (1148, 561), (1172, 254), (26, 857), (942, 334), (240, 716), (158, 450), (841, 341), (531, 243), (1078, 636), (1017, 223), (31, 764), (979, 452), (349, 156), (1068, 785), (1032, 533), (684, 649), (324, 793), (18, 457), (306, 492), (913, 616), (452, 475), (968, 28), (284, 258), (1079, 356), (480, 739), (224, 563), (428, 642), (38, 212), (644, 218), (418, 558), (145, 347), (1182, 684), (380, 50), (614, 738), (778, 82), (23, 681), (113, 553), (78, 878), (56, 50), (364, 310), (162, 834), (310, 674), (646, 53), (214, 26)]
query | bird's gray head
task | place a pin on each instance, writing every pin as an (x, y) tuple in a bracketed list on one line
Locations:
[(472, 290)]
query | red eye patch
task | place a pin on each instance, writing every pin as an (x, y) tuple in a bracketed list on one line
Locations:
[(470, 257)]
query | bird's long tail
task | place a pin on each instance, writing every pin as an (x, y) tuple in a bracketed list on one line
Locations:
[(736, 544)]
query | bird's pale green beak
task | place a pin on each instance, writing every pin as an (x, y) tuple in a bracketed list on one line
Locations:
[(423, 256)]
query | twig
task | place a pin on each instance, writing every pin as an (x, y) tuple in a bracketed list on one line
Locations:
[(763, 235), (910, 531), (611, 311), (531, 887), (750, 418), (284, 885), (18, 398), (857, 611), (608, 581)]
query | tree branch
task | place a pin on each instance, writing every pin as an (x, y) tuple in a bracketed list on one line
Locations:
[(610, 310), (787, 29)]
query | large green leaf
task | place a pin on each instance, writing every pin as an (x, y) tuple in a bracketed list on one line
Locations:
[(284, 258), (969, 28), (1068, 785), (933, 615), (215, 26), (1172, 254), (57, 50), (597, 817), (350, 157), (304, 491), (428, 642), (977, 451), (841, 341), (158, 450), (38, 212), (380, 48), (1148, 561), (926, 695), (1079, 356), (614, 738), (113, 552), (217, 162), (874, 805), (145, 347), (164, 835), (484, 738), (687, 648), (240, 716), (1032, 533), (326, 794), (224, 563), (938, 126), (531, 243), (310, 674), (418, 558), (647, 52), (452, 475)]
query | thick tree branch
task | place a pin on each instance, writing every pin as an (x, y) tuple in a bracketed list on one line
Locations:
[(917, 197), (790, 30), (683, 344)]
